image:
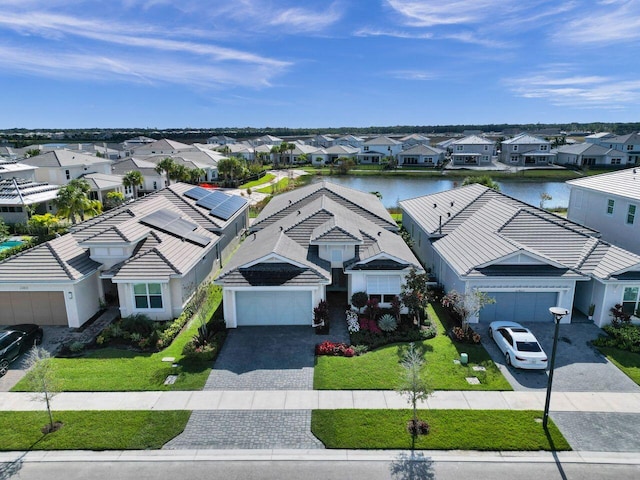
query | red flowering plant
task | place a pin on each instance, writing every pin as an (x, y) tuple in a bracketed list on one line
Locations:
[(334, 349)]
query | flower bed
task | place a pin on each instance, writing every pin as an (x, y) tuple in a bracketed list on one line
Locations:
[(335, 349)]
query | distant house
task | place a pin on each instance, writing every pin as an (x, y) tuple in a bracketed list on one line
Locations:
[(221, 140), (16, 195), (421, 155), (152, 180), (137, 141), (321, 141), (609, 203), (317, 239), (102, 184), (294, 156), (267, 140), (525, 150), (163, 147), (147, 257), (472, 151), (629, 144), (598, 138), (13, 169), (527, 259), (414, 139), (59, 167), (385, 146), (589, 154), (349, 141), (332, 154)]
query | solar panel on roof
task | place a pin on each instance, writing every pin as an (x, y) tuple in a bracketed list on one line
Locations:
[(196, 193), (212, 200), (227, 209), (171, 222), (199, 239)]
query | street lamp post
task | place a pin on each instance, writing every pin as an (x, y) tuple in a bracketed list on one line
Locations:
[(558, 314)]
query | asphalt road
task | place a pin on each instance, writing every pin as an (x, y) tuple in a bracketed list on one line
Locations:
[(316, 470)]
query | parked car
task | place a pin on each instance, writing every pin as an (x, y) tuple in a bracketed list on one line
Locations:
[(518, 345), (16, 340)]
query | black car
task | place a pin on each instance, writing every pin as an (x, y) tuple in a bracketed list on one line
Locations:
[(16, 340)]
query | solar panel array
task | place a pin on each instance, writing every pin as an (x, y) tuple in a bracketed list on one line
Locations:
[(171, 222), (219, 204)]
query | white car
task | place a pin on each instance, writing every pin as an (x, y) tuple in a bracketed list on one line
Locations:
[(519, 346)]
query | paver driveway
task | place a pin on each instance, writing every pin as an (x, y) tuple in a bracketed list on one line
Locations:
[(579, 367)]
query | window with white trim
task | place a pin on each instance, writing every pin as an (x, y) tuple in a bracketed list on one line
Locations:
[(147, 295), (610, 205), (514, 159), (631, 300), (383, 286), (631, 214), (459, 148), (544, 148), (515, 148)]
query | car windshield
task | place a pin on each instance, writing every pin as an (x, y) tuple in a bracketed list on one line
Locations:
[(528, 346)]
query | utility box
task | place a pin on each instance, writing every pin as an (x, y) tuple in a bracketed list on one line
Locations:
[(464, 359)]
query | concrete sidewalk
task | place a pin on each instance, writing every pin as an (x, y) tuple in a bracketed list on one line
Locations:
[(323, 399)]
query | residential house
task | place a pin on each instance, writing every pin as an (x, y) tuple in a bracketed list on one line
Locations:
[(151, 179), (329, 155), (17, 195), (421, 155), (598, 138), (525, 150), (59, 167), (476, 239), (313, 240), (350, 141), (378, 148), (221, 140), (472, 151), (13, 169), (321, 141), (629, 144), (590, 154), (299, 152), (162, 147), (267, 140), (413, 140), (146, 256), (609, 203), (102, 184), (137, 141)]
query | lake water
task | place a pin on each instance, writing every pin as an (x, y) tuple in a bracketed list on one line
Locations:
[(394, 189)]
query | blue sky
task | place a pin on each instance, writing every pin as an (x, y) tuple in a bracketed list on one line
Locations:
[(279, 63)]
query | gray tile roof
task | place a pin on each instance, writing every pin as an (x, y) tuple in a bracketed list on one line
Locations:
[(525, 139), (486, 230), (622, 183), (60, 259), (586, 149), (473, 140), (64, 158), (421, 150)]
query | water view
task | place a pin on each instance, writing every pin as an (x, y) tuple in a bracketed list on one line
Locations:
[(395, 189)]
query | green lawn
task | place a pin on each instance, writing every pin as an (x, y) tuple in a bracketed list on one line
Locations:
[(91, 430), (266, 179), (487, 430), (628, 362), (276, 187), (112, 369), (380, 369)]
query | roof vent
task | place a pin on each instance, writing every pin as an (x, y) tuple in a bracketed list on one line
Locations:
[(290, 202), (281, 228), (435, 205), (379, 233), (254, 236), (298, 212), (452, 204), (448, 214)]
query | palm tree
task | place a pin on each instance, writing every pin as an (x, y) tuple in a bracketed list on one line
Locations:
[(73, 201), (166, 166), (179, 173), (197, 174), (133, 179), (277, 153)]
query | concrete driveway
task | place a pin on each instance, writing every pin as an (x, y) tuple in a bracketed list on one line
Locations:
[(578, 368)]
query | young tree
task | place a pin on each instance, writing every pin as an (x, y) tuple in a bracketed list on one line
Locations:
[(42, 379), (544, 197), (230, 168), (43, 226), (133, 179), (413, 386), (4, 230), (467, 305), (415, 294), (114, 199), (73, 201)]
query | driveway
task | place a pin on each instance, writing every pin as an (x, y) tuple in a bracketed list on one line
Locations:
[(578, 368)]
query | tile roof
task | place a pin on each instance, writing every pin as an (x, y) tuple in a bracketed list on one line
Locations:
[(525, 139), (487, 227), (421, 150), (473, 140), (64, 158), (622, 183), (26, 193)]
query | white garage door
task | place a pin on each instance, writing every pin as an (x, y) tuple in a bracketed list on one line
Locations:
[(520, 307), (41, 308), (274, 308)]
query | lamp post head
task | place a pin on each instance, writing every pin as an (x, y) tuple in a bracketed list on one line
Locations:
[(558, 313)]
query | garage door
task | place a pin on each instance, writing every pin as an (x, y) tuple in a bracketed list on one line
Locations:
[(41, 308), (274, 308), (520, 307)]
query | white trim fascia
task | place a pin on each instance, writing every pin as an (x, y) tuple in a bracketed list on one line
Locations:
[(528, 253), (275, 256)]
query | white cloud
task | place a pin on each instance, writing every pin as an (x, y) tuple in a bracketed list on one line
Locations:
[(420, 75), (582, 91), (302, 19), (372, 32), (429, 13)]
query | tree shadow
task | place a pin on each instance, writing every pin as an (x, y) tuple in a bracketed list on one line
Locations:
[(554, 452), (12, 469), (412, 466)]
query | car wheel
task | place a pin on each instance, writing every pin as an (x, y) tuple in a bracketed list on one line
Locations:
[(4, 367), (507, 358), (491, 332), (38, 339)]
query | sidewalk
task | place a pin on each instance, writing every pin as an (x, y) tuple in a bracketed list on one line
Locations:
[(323, 399)]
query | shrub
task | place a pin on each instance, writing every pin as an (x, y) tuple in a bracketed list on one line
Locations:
[(76, 347), (625, 337), (352, 321), (428, 331), (618, 315), (359, 300), (460, 334), (321, 313), (335, 349), (138, 323), (418, 427), (387, 323)]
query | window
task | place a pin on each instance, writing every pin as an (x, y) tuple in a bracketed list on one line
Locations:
[(147, 295), (486, 147), (544, 148), (630, 300), (515, 148), (610, 205), (514, 159), (629, 147), (459, 148), (67, 174), (383, 286), (616, 161), (631, 214)]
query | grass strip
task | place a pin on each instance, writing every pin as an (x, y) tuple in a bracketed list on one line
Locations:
[(380, 369), (628, 362), (91, 430), (486, 430), (265, 179)]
